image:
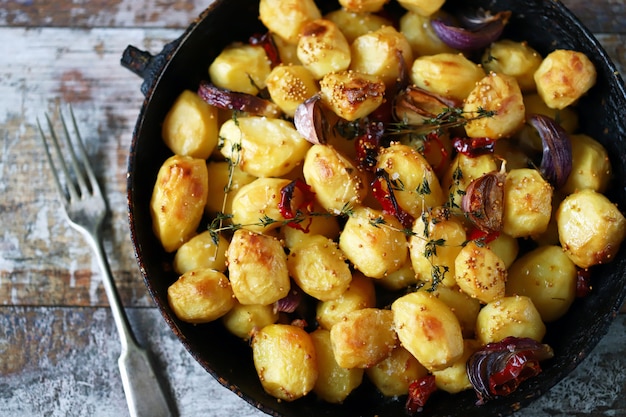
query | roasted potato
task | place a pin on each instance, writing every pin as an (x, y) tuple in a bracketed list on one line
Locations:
[(352, 95), (509, 316), (201, 251), (591, 167), (421, 35), (178, 200), (527, 203), (261, 146), (337, 183), (285, 360), (385, 53), (359, 295), (428, 329), (240, 67), (286, 17), (322, 48), (517, 59), (190, 126), (200, 296), (319, 268), (548, 277), (290, 85), (363, 338), (422, 7), (225, 179), (334, 383), (257, 267), (244, 320), (454, 379), (393, 375), (461, 172), (464, 307), (360, 6), (375, 249), (480, 273), (354, 24), (563, 77), (591, 228), (400, 279), (500, 94)]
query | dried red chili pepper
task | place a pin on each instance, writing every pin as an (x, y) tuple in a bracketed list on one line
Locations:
[(285, 206), (368, 144), (483, 236), (474, 147), (419, 392), (267, 42), (382, 189)]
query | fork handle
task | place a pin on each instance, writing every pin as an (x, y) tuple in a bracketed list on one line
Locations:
[(144, 394)]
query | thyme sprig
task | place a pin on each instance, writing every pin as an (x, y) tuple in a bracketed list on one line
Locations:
[(449, 118)]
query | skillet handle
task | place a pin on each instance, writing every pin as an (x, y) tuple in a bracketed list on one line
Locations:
[(146, 65)]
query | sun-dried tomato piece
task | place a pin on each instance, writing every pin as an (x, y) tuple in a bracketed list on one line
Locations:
[(267, 42), (419, 392), (474, 147), (368, 145), (383, 191), (287, 209)]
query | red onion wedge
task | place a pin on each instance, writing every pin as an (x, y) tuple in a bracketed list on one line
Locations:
[(232, 100), (474, 33), (556, 163), (310, 120), (483, 202)]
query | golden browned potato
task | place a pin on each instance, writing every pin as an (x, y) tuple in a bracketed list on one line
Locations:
[(464, 307), (421, 35), (257, 267), (506, 247), (591, 167), (319, 268), (454, 379), (285, 360), (200, 296), (563, 77), (287, 52), (527, 203), (461, 172), (501, 94), (337, 183), (286, 17), (178, 200), (509, 316), (334, 383), (190, 126), (374, 242), (516, 59), (240, 67), (428, 329), (363, 5), (355, 24), (256, 205), (363, 338), (225, 179), (480, 273), (261, 146), (433, 261), (352, 95), (244, 320), (359, 295), (423, 7), (385, 53), (548, 277), (201, 252), (393, 375), (290, 85), (400, 279), (446, 74), (314, 225), (322, 48), (415, 184), (591, 228)]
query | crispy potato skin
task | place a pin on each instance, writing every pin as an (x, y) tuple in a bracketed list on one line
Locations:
[(258, 268), (285, 360), (178, 200)]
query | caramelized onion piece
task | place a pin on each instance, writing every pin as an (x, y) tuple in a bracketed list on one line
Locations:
[(232, 100), (556, 163), (415, 106), (291, 301), (475, 32), (311, 122), (483, 202), (499, 368)]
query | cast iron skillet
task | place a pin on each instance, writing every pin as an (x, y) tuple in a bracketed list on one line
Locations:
[(546, 25)]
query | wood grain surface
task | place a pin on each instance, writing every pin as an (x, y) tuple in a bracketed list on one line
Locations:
[(58, 346)]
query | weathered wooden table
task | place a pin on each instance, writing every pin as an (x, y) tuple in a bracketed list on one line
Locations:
[(58, 344)]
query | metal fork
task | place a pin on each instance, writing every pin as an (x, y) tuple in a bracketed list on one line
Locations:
[(85, 209)]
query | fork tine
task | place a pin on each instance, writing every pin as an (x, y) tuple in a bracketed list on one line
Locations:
[(69, 192), (80, 163)]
